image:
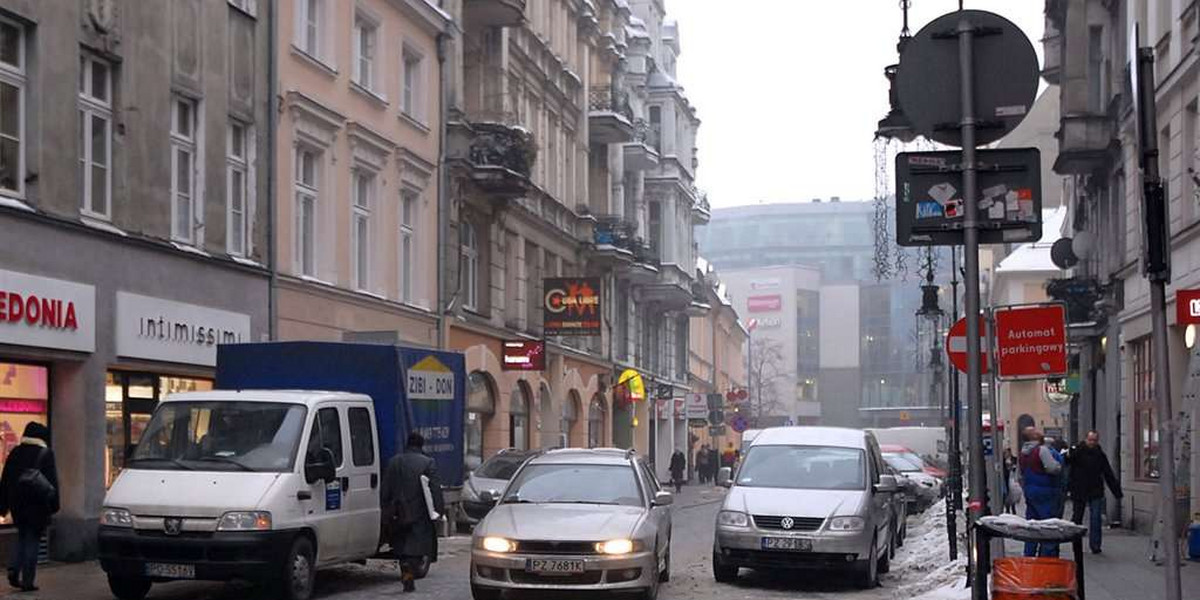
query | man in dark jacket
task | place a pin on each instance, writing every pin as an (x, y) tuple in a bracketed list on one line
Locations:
[(1090, 470), (29, 489), (414, 535), (677, 467)]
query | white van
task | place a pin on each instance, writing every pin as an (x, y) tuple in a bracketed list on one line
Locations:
[(265, 486)]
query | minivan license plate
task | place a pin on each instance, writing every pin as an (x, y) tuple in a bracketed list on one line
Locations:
[(170, 571), (552, 567), (798, 544)]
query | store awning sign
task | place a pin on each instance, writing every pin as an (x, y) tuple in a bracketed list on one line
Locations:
[(572, 306), (47, 313), (1187, 307), (523, 355), (632, 382)]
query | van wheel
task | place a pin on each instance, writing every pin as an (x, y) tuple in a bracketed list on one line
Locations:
[(298, 573), (867, 577), (479, 592), (722, 572), (128, 588)]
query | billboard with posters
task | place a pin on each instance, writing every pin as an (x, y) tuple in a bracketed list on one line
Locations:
[(571, 306)]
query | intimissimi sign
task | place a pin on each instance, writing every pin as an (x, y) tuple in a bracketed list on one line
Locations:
[(164, 330), (47, 313)]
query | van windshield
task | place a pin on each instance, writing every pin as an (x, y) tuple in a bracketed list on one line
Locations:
[(803, 467), (221, 436)]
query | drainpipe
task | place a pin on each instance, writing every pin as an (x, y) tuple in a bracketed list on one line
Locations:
[(272, 204), (443, 197)]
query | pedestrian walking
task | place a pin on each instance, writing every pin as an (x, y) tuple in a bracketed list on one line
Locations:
[(29, 490), (678, 464), (727, 459), (409, 482), (703, 464), (1041, 473), (1089, 472)]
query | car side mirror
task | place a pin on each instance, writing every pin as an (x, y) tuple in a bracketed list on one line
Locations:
[(887, 484), (725, 477), (663, 499), (320, 467), (490, 496)]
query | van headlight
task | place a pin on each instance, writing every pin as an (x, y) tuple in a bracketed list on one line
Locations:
[(733, 518), (847, 524), (116, 517), (245, 520)]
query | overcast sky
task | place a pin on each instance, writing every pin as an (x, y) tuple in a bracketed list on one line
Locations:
[(789, 91)]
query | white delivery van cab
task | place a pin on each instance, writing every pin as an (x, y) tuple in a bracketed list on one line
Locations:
[(264, 486)]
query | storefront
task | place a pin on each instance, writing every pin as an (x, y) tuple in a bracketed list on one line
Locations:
[(129, 399)]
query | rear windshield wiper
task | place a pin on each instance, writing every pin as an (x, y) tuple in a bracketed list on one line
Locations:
[(225, 459), (173, 461)]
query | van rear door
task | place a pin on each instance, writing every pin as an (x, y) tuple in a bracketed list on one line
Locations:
[(325, 508), (362, 491)]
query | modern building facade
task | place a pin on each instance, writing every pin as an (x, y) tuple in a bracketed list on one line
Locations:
[(133, 195)]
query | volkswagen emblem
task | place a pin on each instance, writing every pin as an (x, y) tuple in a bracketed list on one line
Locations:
[(787, 523), (172, 525)]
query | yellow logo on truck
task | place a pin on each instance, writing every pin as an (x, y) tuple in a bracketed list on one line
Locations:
[(430, 379)]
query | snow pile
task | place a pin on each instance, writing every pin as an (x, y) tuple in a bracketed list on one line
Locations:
[(923, 566)]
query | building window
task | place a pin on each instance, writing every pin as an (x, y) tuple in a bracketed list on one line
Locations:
[(1144, 415), (307, 193), (366, 32), (184, 218), (129, 401), (240, 191), (363, 191), (481, 404), (311, 27), (656, 127), (409, 200), (95, 135), (12, 108), (518, 419), (469, 266), (410, 97)]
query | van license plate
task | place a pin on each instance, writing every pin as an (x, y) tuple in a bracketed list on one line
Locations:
[(170, 571), (552, 567), (798, 544)]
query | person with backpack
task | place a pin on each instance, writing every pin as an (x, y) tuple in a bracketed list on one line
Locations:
[(29, 490), (411, 495), (1041, 479)]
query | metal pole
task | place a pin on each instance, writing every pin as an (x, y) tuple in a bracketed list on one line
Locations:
[(978, 498), (954, 486)]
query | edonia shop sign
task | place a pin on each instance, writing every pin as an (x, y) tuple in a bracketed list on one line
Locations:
[(47, 313)]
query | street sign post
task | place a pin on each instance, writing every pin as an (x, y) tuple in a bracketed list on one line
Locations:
[(956, 345), (738, 423), (1031, 341)]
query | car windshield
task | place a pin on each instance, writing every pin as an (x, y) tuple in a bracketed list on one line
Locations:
[(575, 484), (902, 463), (221, 436), (803, 467), (501, 466)]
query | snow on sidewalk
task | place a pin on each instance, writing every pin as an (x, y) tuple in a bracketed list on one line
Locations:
[(922, 569)]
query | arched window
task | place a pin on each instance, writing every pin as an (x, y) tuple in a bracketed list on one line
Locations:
[(481, 404), (518, 417), (596, 423), (570, 414), (469, 265)]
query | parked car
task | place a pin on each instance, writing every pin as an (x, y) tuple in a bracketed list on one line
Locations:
[(484, 485), (900, 503), (807, 498), (576, 520), (926, 488)]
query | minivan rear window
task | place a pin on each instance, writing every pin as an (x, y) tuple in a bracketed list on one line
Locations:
[(803, 467)]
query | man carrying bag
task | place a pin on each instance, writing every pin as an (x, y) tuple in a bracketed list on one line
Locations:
[(409, 521), (29, 489)]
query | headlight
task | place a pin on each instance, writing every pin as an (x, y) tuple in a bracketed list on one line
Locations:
[(116, 517), (731, 518), (498, 544), (245, 521), (847, 524), (615, 547)]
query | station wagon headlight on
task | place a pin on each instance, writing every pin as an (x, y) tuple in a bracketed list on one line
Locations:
[(615, 547), (245, 521), (499, 545), (116, 517), (732, 518), (847, 524)]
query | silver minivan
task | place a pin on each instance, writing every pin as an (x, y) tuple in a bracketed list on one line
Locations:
[(807, 497)]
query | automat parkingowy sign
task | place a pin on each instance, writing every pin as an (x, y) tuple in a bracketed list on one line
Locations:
[(571, 306)]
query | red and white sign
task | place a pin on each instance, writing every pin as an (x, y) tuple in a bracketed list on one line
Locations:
[(1031, 341), (771, 303), (47, 313), (956, 345), (696, 406), (1187, 307), (524, 355)]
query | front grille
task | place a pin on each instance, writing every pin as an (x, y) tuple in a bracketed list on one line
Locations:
[(585, 578), (772, 558), (798, 523), (557, 548)]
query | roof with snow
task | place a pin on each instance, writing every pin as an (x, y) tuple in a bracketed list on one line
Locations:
[(1035, 256)]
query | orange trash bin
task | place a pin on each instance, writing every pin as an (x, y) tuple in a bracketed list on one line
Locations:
[(1023, 578)]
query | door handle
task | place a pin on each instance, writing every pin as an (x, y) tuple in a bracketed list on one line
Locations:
[(345, 484), (304, 495), (374, 480)]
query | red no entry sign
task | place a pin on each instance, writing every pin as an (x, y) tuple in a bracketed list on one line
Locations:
[(1031, 341), (956, 345)]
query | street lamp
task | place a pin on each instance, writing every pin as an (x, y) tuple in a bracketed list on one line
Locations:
[(896, 124)]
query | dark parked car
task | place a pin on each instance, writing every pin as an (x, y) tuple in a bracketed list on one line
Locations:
[(485, 484)]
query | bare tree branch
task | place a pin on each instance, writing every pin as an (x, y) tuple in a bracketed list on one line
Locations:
[(768, 372)]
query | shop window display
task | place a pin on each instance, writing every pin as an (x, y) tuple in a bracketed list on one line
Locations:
[(24, 398), (130, 399)]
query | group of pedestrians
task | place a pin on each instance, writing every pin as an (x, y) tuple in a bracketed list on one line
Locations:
[(1050, 475)]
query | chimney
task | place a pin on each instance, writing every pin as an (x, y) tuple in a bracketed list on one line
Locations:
[(835, 199)]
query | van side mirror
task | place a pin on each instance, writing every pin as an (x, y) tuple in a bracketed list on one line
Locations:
[(725, 477), (320, 467), (887, 484), (663, 499)]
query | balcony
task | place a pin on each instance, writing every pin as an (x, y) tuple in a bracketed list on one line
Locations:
[(1052, 41), (494, 13), (701, 211), (642, 153), (613, 242), (501, 158), (671, 291), (610, 117), (1084, 143)]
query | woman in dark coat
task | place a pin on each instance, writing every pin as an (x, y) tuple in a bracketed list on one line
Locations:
[(414, 536), (678, 464), (30, 510)]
